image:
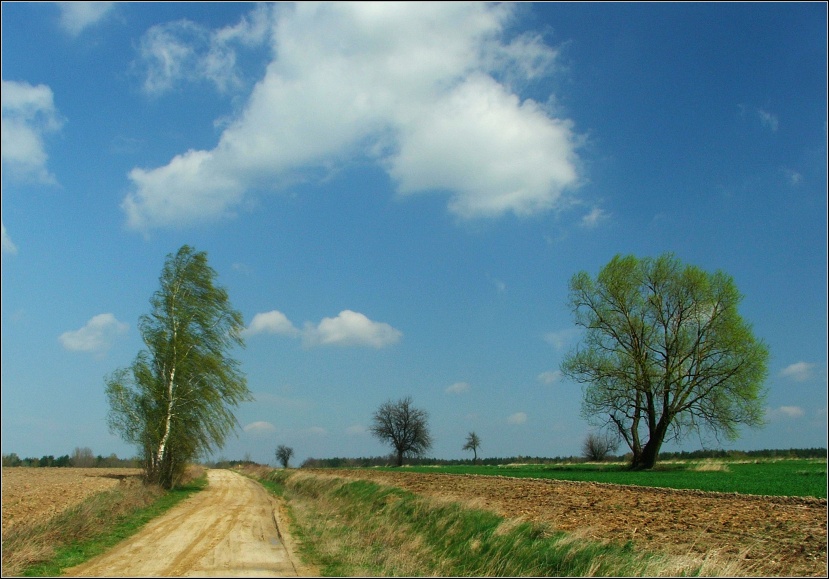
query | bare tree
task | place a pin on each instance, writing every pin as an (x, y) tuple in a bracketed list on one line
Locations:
[(284, 454), (404, 427), (597, 447), (82, 457), (472, 443)]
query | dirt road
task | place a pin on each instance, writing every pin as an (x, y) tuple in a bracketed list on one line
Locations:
[(230, 529)]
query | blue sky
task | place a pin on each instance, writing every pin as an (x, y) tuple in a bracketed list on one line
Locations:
[(395, 197)]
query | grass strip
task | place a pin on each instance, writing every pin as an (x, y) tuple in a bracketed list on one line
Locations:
[(359, 528), (89, 528)]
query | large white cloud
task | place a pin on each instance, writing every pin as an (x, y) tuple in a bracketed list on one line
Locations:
[(28, 115), (96, 336), (411, 85), (350, 329)]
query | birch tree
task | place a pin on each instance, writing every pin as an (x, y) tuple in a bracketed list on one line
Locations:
[(665, 353), (176, 401)]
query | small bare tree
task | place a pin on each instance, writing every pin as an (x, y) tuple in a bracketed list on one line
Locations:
[(404, 427), (472, 443), (598, 447), (284, 454)]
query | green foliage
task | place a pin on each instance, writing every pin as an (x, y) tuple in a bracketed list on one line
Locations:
[(175, 401), (665, 353)]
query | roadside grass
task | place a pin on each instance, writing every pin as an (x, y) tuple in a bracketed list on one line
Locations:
[(358, 528), (89, 528), (774, 477)]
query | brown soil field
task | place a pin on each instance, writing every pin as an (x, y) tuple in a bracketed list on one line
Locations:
[(768, 536), (34, 495)]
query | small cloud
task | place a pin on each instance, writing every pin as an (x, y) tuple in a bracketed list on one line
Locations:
[(350, 329), (273, 322), (768, 120), (8, 246), (594, 218), (96, 336), (550, 377), (458, 388), (517, 418), (785, 413), (562, 338), (793, 177), (799, 371), (75, 17), (260, 427)]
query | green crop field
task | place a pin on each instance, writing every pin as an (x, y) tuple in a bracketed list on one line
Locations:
[(777, 477)]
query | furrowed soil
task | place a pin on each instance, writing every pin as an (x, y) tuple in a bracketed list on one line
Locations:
[(770, 536)]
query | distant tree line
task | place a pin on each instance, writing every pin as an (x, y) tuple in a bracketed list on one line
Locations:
[(391, 460), (80, 458)]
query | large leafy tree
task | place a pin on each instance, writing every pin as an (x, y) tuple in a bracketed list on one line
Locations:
[(175, 402), (405, 427), (665, 353)]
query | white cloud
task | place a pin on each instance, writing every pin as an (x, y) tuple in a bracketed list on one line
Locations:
[(350, 329), (260, 427), (793, 177), (799, 371), (411, 85), (28, 114), (77, 16), (96, 336), (273, 322), (768, 120), (549, 377), (594, 218), (517, 418), (562, 338), (8, 244), (458, 388), (785, 413)]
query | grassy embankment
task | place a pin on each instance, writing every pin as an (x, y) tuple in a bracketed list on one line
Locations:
[(358, 528), (89, 528), (799, 477)]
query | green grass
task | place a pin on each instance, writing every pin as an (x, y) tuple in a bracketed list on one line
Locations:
[(359, 528), (780, 477), (91, 528)]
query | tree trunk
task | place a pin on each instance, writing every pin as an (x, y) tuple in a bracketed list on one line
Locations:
[(646, 459), (399, 458)]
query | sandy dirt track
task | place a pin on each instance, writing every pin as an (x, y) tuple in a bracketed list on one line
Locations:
[(230, 529)]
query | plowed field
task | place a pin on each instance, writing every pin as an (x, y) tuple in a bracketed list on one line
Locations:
[(34, 495), (781, 536)]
